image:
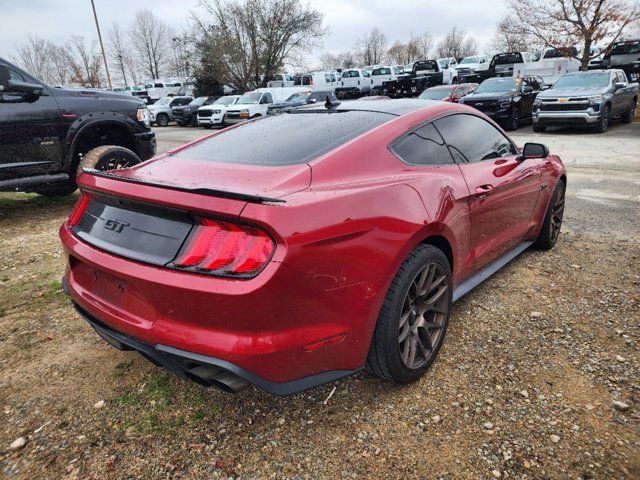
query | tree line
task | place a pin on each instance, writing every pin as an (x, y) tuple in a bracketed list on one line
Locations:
[(245, 42)]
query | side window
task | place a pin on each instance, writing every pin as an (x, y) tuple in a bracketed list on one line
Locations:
[(473, 138), (365, 73), (15, 76), (159, 85), (327, 78), (423, 146), (266, 98)]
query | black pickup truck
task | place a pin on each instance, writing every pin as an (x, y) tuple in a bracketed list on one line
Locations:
[(423, 75), (501, 66), (624, 55), (49, 134)]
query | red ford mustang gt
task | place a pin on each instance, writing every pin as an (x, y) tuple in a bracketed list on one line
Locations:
[(297, 249)]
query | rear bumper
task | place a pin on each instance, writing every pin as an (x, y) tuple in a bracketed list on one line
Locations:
[(181, 361), (146, 144), (277, 328)]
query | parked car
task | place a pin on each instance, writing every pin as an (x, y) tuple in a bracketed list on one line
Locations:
[(301, 248), (48, 134), (188, 114), (424, 74), (322, 81), (624, 55), (162, 110), (501, 65), (281, 80), (448, 93), (448, 66), (355, 82), (507, 100), (379, 75), (588, 99), (299, 99), (213, 114)]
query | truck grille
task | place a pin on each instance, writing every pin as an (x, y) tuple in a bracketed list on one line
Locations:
[(205, 113), (563, 107)]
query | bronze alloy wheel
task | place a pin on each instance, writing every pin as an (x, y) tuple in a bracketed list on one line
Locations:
[(557, 211), (423, 316)]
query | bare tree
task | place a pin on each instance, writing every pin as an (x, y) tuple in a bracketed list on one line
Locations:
[(371, 49), (33, 56), (118, 50), (85, 62), (247, 41), (511, 37), (151, 40), (59, 64), (424, 44), (567, 23), (457, 44)]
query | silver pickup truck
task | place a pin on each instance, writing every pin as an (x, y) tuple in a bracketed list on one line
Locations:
[(588, 99)]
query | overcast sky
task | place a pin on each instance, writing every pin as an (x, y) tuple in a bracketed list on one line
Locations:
[(348, 20)]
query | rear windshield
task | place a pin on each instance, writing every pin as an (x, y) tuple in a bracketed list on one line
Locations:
[(381, 71), (428, 65), (285, 139)]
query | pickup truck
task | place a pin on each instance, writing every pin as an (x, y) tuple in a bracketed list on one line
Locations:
[(48, 134), (355, 82), (501, 65), (588, 99), (256, 103), (625, 56), (424, 74)]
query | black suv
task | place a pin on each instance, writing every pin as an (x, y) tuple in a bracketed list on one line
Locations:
[(47, 135), (507, 100)]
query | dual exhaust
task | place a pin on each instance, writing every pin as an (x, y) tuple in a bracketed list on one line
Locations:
[(210, 376)]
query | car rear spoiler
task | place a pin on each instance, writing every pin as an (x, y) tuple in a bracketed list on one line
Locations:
[(246, 197)]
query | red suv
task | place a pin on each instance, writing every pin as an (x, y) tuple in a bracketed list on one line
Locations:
[(297, 249)]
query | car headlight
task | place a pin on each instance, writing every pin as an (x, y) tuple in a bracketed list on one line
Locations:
[(244, 113), (596, 99), (144, 116)]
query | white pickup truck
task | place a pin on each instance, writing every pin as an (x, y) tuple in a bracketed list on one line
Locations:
[(553, 64), (379, 75), (355, 82), (256, 103), (213, 114)]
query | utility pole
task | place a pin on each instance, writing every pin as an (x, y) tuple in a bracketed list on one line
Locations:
[(104, 57)]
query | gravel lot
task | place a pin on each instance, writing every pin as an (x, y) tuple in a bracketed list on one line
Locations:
[(538, 378)]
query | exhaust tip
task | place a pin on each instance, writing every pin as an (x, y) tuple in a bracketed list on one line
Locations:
[(210, 376)]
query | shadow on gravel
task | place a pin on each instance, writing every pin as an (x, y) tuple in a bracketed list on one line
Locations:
[(25, 205)]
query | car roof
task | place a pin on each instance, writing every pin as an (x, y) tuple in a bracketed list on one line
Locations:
[(395, 107)]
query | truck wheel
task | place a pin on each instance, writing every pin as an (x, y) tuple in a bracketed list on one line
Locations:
[(162, 120), (603, 124), (61, 189), (108, 157), (514, 120), (629, 115)]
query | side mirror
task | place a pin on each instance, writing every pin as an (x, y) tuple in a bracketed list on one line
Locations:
[(535, 150), (6, 84), (620, 85)]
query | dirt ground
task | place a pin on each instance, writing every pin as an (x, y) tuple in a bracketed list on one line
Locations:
[(524, 386)]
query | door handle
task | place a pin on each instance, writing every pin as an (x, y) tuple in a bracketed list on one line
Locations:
[(483, 190)]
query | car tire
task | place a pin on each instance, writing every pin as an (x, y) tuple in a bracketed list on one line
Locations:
[(108, 157), (405, 343), (552, 222), (629, 115), (514, 120), (603, 124), (539, 129), (162, 119)]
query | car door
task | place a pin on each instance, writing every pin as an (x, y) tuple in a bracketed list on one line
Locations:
[(503, 189), (619, 105), (31, 132), (528, 93)]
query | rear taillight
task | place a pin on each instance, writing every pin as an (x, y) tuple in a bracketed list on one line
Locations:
[(223, 248), (79, 209)]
